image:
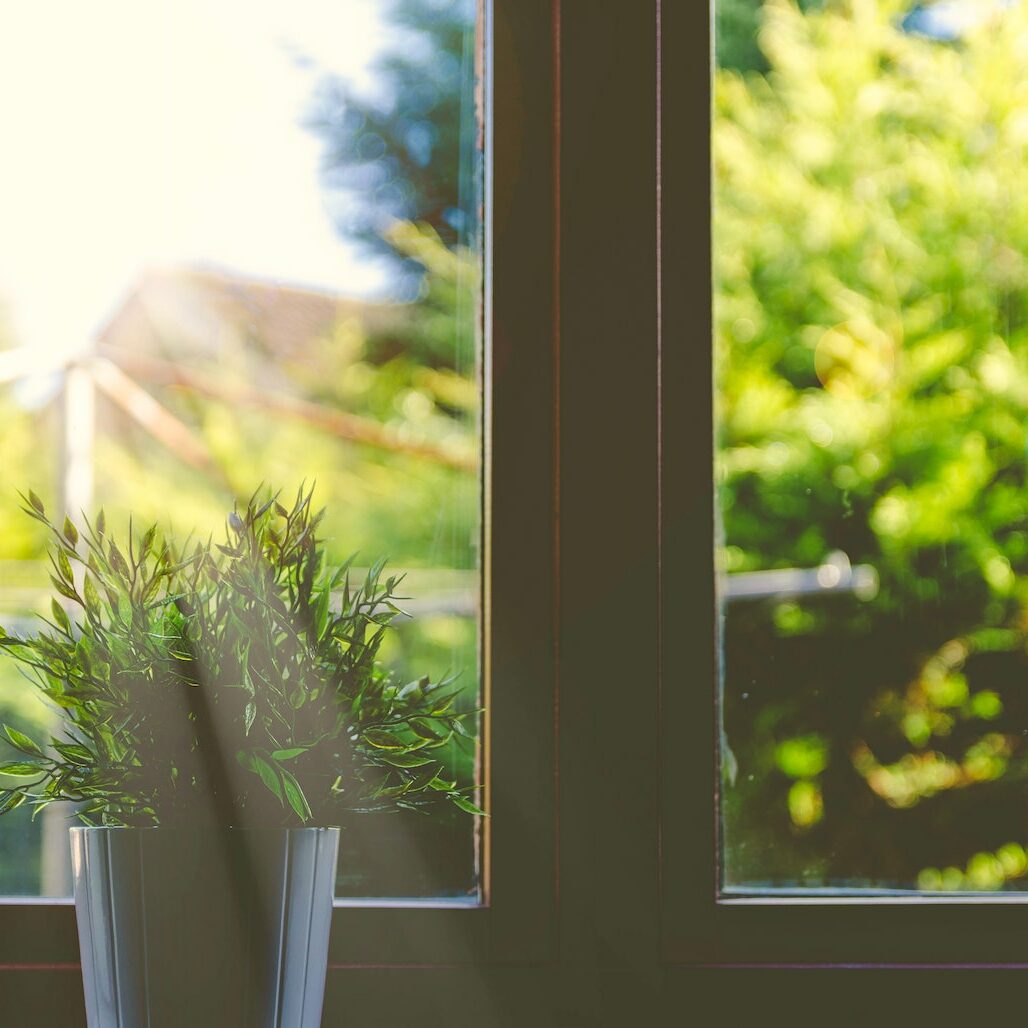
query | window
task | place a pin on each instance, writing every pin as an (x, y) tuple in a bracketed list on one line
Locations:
[(602, 905), (706, 923), (513, 921), (600, 861), (265, 273), (870, 570)]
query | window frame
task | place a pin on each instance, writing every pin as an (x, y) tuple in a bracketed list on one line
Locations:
[(600, 658), (700, 928), (602, 845), (517, 849)]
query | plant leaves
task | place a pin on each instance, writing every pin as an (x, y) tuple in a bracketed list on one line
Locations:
[(91, 597), (60, 616), (117, 560), (22, 742), (426, 730), (405, 759), (74, 752), (295, 796), (65, 567), (288, 754), (261, 616), (21, 769), (467, 805), (383, 740), (11, 801), (423, 779), (268, 775), (63, 589), (249, 716)]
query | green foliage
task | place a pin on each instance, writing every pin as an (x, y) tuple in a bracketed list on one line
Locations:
[(872, 357), (405, 151), (737, 26), (235, 683), (409, 369)]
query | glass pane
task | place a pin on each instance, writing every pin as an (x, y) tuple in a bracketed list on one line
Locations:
[(241, 252), (871, 295)]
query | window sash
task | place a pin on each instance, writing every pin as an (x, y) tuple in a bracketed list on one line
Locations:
[(697, 927), (515, 921)]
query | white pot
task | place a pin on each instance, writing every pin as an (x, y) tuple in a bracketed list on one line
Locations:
[(190, 928)]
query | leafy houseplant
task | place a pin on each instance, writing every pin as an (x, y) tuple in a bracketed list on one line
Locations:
[(217, 692)]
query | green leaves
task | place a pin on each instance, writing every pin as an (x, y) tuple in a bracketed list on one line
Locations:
[(467, 806), (60, 616), (75, 753), (11, 801), (256, 648), (406, 759), (22, 742), (289, 754), (64, 566), (21, 769), (249, 716), (117, 560), (268, 774), (295, 796), (280, 782), (92, 598), (384, 740)]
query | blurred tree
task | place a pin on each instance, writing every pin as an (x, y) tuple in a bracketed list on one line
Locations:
[(735, 35), (406, 151), (736, 28), (872, 356)]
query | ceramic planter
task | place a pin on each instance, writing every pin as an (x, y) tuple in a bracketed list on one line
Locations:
[(183, 928)]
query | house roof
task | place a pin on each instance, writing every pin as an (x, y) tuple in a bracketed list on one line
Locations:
[(189, 314)]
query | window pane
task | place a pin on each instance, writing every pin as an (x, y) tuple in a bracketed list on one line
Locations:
[(241, 251), (871, 227)]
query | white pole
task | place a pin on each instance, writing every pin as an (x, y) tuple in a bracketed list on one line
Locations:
[(78, 432)]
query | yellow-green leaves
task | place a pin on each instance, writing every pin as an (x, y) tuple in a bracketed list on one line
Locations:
[(22, 742), (802, 757), (21, 769), (60, 617)]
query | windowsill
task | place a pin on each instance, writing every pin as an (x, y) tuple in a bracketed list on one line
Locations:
[(865, 897), (418, 903)]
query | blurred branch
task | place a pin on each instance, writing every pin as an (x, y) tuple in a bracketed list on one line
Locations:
[(338, 423), (135, 401)]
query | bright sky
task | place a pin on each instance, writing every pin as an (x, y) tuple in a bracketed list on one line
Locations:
[(140, 132)]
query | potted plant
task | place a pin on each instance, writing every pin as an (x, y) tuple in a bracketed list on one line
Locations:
[(223, 711)]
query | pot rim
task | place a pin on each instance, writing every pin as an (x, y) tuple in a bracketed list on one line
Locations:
[(200, 828)]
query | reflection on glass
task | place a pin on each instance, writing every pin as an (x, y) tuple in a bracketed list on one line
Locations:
[(241, 246), (871, 297)]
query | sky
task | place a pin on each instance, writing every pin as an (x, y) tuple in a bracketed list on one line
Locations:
[(140, 133)]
